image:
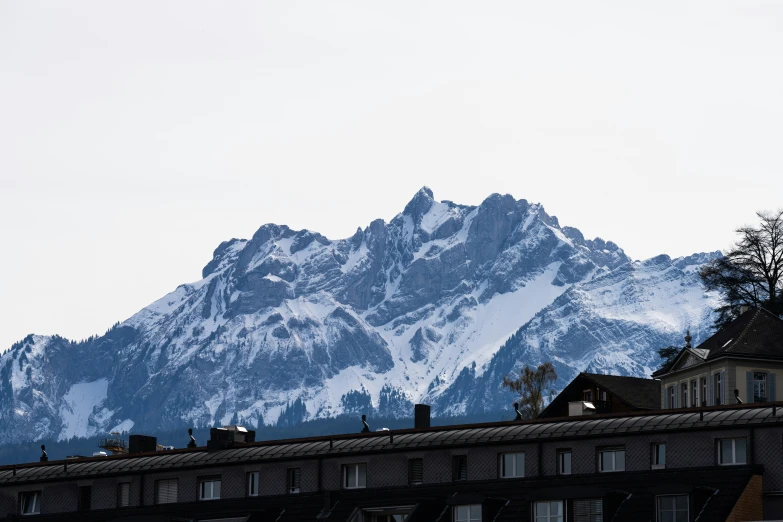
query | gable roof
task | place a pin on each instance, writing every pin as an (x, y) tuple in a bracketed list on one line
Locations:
[(756, 333), (635, 392)]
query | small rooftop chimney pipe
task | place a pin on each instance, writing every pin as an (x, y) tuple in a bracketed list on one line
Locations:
[(366, 428), (736, 396), (44, 455), (421, 416), (516, 410)]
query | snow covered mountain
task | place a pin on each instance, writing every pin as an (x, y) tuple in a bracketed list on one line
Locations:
[(435, 306)]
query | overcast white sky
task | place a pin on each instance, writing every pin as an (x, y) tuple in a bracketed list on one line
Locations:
[(136, 136)]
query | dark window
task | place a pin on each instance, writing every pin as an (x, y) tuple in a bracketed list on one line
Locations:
[(672, 397), (564, 462), (732, 452), (252, 484), (209, 488), (166, 491), (355, 476), (611, 459), (684, 395), (588, 510), (459, 467), (694, 393), (759, 387), (123, 494), (717, 389), (703, 391), (512, 465), (548, 511), (85, 498), (294, 480), (30, 502), (658, 455), (587, 395), (673, 508), (470, 513), (416, 472)]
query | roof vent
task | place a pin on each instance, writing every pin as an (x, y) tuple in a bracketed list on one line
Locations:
[(44, 455), (192, 443), (366, 428)]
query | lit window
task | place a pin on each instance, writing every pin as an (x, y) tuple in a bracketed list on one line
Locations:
[(732, 451), (416, 472), (470, 513), (658, 455), (294, 480), (166, 491), (759, 387), (564, 462), (252, 484), (589, 510), (123, 494), (550, 511), (209, 489), (30, 502), (611, 459), (673, 508), (512, 465)]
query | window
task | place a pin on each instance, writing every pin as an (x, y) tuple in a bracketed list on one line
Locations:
[(294, 480), (550, 511), (30, 502), (209, 489), (673, 508), (703, 391), (512, 465), (587, 395), (732, 451), (85, 498), (166, 491), (252, 484), (470, 513), (589, 510), (611, 459), (602, 395), (718, 389), (459, 467), (416, 472), (684, 395), (658, 455), (694, 393), (759, 387), (564, 462), (123, 494), (672, 397), (355, 476)]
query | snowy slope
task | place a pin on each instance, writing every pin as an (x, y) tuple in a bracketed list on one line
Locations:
[(436, 305)]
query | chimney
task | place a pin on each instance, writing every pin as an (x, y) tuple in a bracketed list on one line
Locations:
[(223, 438), (421, 416)]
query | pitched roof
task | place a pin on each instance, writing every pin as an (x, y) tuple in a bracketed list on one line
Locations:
[(756, 333), (644, 394)]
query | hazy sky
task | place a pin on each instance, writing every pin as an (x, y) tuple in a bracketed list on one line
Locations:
[(136, 136)]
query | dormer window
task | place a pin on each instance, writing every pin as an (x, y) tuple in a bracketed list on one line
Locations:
[(587, 395)]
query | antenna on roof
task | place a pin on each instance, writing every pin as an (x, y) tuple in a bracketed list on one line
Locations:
[(736, 396), (44, 455), (688, 338), (192, 443), (519, 413), (366, 428)]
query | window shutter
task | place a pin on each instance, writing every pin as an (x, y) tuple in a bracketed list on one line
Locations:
[(711, 386), (166, 491), (416, 471), (771, 384), (590, 510), (123, 494), (460, 467), (749, 387)]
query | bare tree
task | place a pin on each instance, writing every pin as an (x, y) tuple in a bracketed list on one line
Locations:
[(751, 272), (533, 386)]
